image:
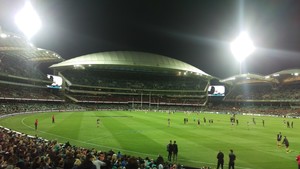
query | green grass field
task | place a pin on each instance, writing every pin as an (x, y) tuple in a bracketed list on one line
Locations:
[(147, 134)]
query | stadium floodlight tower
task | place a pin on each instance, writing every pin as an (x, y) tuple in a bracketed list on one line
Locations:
[(27, 20), (242, 47)]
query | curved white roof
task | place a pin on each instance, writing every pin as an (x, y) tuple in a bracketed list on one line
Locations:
[(129, 58)]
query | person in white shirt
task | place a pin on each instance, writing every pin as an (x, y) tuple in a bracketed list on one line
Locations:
[(98, 163)]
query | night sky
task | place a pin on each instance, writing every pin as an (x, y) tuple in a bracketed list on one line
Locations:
[(196, 32)]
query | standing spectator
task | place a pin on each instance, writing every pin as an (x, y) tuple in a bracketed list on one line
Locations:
[(170, 150), (175, 151), (3, 162), (20, 163), (286, 143), (60, 163), (160, 162), (46, 163), (132, 163), (76, 163), (232, 158), (103, 158), (87, 163), (27, 161), (98, 163), (69, 160), (10, 163), (298, 161), (36, 163), (220, 158), (36, 124)]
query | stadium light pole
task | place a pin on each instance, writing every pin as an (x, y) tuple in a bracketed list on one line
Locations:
[(242, 47), (28, 20)]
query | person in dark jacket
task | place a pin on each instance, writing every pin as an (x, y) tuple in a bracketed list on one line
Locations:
[(175, 151), (170, 150), (87, 163), (232, 158), (220, 158)]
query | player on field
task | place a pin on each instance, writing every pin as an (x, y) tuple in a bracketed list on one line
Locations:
[(298, 161), (253, 120), (98, 122), (286, 143), (279, 137), (36, 124)]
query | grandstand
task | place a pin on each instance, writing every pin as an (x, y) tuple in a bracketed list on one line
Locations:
[(21, 78), (277, 93), (124, 79), (137, 79)]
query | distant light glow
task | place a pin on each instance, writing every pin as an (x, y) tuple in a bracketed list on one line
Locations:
[(28, 21), (242, 46), (228, 79), (3, 35)]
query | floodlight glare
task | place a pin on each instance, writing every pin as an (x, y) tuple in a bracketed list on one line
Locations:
[(3, 35), (242, 46), (28, 21)]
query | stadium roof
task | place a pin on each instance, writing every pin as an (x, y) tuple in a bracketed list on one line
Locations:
[(287, 76), (288, 72), (14, 45), (249, 79), (135, 60), (284, 77)]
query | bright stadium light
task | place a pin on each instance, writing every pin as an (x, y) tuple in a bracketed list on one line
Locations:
[(28, 21), (242, 47), (3, 35)]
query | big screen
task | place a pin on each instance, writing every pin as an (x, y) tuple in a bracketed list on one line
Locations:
[(216, 90), (56, 81)]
